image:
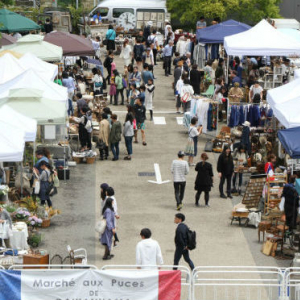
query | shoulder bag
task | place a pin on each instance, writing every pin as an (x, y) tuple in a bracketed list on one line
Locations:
[(100, 226)]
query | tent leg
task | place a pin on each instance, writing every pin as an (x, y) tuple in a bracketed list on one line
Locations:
[(227, 70), (21, 164)]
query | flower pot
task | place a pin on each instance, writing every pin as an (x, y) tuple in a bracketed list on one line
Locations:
[(46, 223)]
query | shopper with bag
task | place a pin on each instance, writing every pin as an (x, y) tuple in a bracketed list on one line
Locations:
[(106, 238), (192, 144), (186, 94), (104, 130), (45, 187), (5, 226)]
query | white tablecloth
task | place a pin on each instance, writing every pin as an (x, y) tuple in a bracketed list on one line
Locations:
[(19, 239)]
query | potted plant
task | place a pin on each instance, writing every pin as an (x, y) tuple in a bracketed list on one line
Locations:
[(21, 214), (34, 239), (4, 189), (33, 222)]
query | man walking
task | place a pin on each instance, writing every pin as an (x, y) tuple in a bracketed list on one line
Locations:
[(179, 169), (181, 242), (168, 52), (148, 250)]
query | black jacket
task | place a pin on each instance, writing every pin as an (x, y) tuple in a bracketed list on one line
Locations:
[(225, 164), (181, 235), (204, 176), (140, 113), (195, 79)]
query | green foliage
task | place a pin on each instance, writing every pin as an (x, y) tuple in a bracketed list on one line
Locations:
[(76, 14), (251, 11), (4, 3)]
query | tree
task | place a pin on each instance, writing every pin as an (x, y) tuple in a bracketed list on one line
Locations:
[(251, 11)]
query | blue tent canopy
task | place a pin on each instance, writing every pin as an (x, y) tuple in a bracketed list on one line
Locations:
[(290, 141), (215, 34)]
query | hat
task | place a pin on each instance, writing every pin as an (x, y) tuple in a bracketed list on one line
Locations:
[(246, 123), (148, 49), (167, 21), (104, 186), (181, 153)]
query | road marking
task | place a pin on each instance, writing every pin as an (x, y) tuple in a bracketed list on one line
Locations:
[(158, 176), (159, 120), (179, 120)]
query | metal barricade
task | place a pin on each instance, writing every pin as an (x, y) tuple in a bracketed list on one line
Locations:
[(238, 283), (51, 267), (292, 283), (186, 278)]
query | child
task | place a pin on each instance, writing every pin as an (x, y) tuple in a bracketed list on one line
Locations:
[(149, 97), (112, 89)]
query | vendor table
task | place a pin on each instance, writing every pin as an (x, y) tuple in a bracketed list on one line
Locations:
[(19, 238)]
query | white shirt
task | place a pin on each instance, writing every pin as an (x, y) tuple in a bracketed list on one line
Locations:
[(115, 205), (126, 52), (148, 253), (256, 90)]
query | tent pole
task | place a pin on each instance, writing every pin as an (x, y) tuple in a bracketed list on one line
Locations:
[(227, 70), (21, 164)]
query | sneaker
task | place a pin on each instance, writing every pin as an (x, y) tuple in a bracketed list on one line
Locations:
[(207, 205), (178, 207), (223, 196), (229, 196), (127, 158), (181, 205)]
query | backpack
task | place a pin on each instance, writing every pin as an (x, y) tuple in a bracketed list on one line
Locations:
[(191, 239), (124, 83)]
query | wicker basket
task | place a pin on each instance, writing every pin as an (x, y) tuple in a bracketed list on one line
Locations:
[(78, 160), (46, 223), (90, 160)]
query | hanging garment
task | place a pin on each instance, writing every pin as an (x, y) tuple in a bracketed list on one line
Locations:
[(241, 115)]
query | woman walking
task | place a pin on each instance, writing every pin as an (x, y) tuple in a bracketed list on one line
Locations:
[(127, 53), (128, 135), (204, 179), (115, 136), (225, 170), (191, 147), (119, 86), (106, 238)]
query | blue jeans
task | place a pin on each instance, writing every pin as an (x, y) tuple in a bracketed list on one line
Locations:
[(115, 149), (70, 108), (128, 143)]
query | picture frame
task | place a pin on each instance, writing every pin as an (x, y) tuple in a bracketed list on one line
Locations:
[(146, 16), (160, 17), (140, 16), (153, 16)]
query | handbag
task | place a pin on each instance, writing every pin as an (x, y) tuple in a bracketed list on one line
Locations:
[(100, 226), (105, 42), (101, 145), (55, 181), (37, 186), (26, 180)]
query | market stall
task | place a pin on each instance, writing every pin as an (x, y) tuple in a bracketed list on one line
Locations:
[(10, 68)]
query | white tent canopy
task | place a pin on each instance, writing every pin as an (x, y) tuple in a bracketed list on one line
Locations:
[(288, 113), (34, 44), (31, 103), (10, 67), (284, 93), (12, 149), (47, 70), (30, 79), (9, 116), (262, 39)]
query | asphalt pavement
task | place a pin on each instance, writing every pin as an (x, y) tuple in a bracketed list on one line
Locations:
[(144, 204)]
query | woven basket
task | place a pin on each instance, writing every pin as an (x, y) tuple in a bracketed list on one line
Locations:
[(90, 160), (46, 223), (78, 160)]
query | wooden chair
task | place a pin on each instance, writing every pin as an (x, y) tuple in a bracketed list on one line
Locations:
[(263, 227)]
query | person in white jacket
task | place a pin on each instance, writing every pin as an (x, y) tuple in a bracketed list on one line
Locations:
[(186, 94), (148, 251), (182, 45)]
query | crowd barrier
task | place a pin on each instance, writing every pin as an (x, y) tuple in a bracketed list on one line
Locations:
[(213, 282)]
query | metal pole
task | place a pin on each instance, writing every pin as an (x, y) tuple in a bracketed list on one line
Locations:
[(76, 4), (21, 163), (227, 70)]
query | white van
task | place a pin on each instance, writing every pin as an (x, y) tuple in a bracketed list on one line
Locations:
[(143, 11)]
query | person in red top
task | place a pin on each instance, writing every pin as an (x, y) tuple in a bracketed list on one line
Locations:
[(269, 166)]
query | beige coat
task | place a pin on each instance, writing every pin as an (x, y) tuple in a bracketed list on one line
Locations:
[(104, 130)]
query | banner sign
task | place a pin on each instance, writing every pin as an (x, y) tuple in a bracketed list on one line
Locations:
[(90, 285)]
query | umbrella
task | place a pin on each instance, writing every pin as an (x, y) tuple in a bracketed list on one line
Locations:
[(7, 40), (72, 44), (34, 44), (13, 22)]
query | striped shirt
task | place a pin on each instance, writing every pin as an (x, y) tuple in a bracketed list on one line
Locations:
[(179, 169)]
